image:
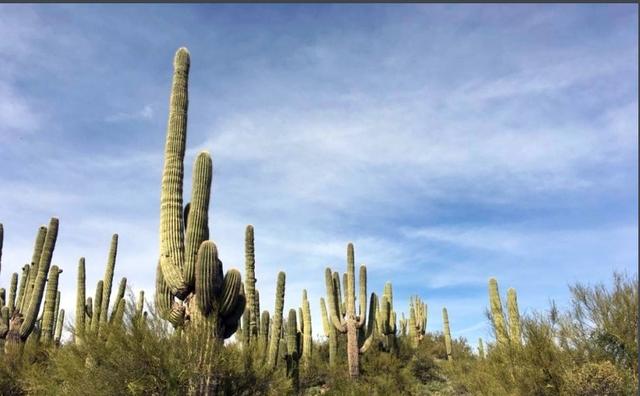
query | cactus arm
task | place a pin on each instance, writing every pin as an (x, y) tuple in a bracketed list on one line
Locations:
[(24, 279), (11, 302), (119, 296), (171, 222), (163, 296), (97, 306), (197, 226), (362, 296), (80, 301), (33, 270), (276, 327), (497, 315), (38, 288), (108, 279), (209, 278), (514, 316), (332, 296), (59, 325)]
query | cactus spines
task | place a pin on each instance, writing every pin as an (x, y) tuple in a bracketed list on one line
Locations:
[(307, 345), (514, 316), (97, 306), (11, 301), (59, 325), (172, 254), (163, 296), (80, 302), (108, 280), (447, 333), (21, 289), (276, 323), (497, 315), (250, 281), (35, 298), (48, 316), (292, 355), (480, 348), (350, 323)]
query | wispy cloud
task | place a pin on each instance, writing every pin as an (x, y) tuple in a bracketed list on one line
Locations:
[(145, 114)]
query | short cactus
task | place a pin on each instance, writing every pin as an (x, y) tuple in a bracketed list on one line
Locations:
[(514, 317), (59, 325), (447, 333), (497, 315)]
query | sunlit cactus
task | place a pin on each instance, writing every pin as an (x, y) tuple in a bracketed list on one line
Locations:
[(417, 320), (276, 322), (191, 288), (447, 333), (81, 311), (349, 323), (108, 281), (514, 317), (48, 316), (497, 315), (253, 310), (307, 345)]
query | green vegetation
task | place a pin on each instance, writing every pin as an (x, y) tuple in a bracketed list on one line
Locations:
[(183, 345)]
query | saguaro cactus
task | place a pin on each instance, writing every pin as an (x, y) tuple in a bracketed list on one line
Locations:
[(81, 310), (276, 323), (497, 315), (386, 319), (480, 348), (514, 316), (250, 285), (108, 281), (447, 333), (292, 355), (350, 322), (307, 346), (59, 325), (263, 336), (189, 268), (417, 320)]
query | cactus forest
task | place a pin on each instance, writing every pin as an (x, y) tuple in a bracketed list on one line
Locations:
[(202, 330)]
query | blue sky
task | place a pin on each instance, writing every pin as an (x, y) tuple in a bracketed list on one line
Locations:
[(450, 143)]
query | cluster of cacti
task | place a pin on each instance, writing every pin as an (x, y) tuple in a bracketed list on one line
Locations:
[(417, 320), (386, 319), (92, 315), (19, 320), (344, 318), (191, 288), (505, 333)]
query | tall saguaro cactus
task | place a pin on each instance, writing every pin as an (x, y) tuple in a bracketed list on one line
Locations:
[(350, 323), (48, 316), (447, 333), (191, 288), (497, 315), (250, 285), (81, 310), (307, 338)]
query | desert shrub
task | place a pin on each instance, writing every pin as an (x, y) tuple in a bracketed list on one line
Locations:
[(594, 379)]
